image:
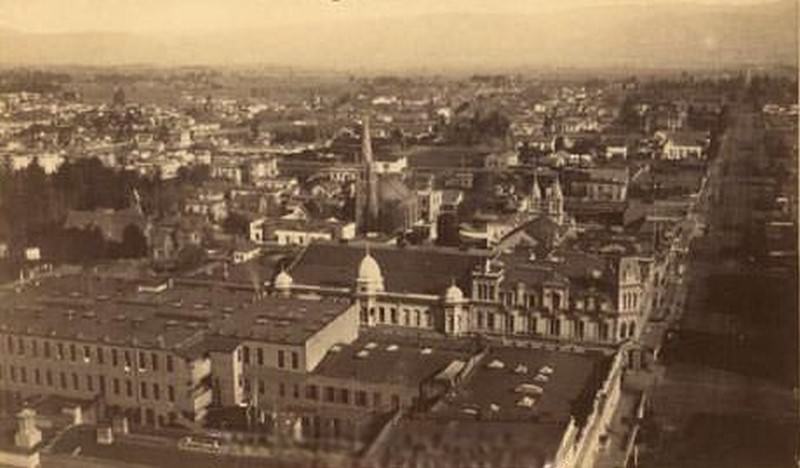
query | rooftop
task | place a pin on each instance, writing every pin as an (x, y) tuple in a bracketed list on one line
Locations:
[(388, 361), (405, 269), (96, 309)]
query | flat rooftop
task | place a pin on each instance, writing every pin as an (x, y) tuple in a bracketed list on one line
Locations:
[(503, 415), (113, 311), (520, 384), (388, 361)]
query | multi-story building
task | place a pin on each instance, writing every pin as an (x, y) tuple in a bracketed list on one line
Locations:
[(156, 352), (567, 296)]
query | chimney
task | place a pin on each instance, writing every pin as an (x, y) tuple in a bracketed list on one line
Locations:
[(28, 435)]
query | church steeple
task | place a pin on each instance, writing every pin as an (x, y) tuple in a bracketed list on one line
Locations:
[(366, 143), (536, 191), (367, 201)]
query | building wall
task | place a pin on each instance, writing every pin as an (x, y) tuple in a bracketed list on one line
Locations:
[(146, 383)]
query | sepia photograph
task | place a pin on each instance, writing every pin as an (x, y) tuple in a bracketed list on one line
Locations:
[(399, 234)]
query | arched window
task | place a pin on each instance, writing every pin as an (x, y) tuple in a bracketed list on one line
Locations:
[(556, 300)]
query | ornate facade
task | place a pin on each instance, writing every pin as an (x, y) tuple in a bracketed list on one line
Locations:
[(568, 296)]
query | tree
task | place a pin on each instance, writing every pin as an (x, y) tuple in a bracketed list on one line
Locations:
[(236, 224), (190, 257), (134, 243)]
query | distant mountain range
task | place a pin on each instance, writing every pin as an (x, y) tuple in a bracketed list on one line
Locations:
[(658, 36)]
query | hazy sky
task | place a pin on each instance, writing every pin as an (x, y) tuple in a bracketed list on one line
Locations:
[(189, 15)]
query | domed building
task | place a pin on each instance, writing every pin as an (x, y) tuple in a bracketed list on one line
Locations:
[(370, 278), (283, 282), (456, 318)]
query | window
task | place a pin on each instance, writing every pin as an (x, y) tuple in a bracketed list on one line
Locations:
[(281, 359), (73, 355), (100, 356), (428, 319), (127, 356), (154, 360), (114, 358), (603, 331), (246, 355), (47, 349), (10, 342), (75, 384), (490, 320), (393, 313), (170, 393), (1, 372), (555, 326), (361, 398), (376, 399), (417, 317), (296, 391), (406, 317), (48, 378), (87, 354), (143, 390), (60, 349), (480, 319), (37, 377), (295, 360), (344, 396), (156, 392), (12, 373), (261, 388), (142, 360), (129, 388), (281, 389), (533, 324), (102, 380), (381, 314), (35, 348), (579, 329), (330, 394), (20, 346), (116, 386), (395, 401), (23, 374), (89, 383), (63, 380), (170, 368), (311, 392), (260, 356)]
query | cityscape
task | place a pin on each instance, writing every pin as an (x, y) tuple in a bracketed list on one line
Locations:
[(396, 234)]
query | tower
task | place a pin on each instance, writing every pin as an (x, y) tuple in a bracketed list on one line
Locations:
[(367, 192), (368, 283), (455, 320), (555, 202)]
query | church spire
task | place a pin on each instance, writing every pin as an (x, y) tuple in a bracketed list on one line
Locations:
[(367, 202), (366, 143), (536, 191)]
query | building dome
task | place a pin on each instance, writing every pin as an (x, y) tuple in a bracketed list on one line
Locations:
[(453, 294), (369, 269), (283, 280)]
